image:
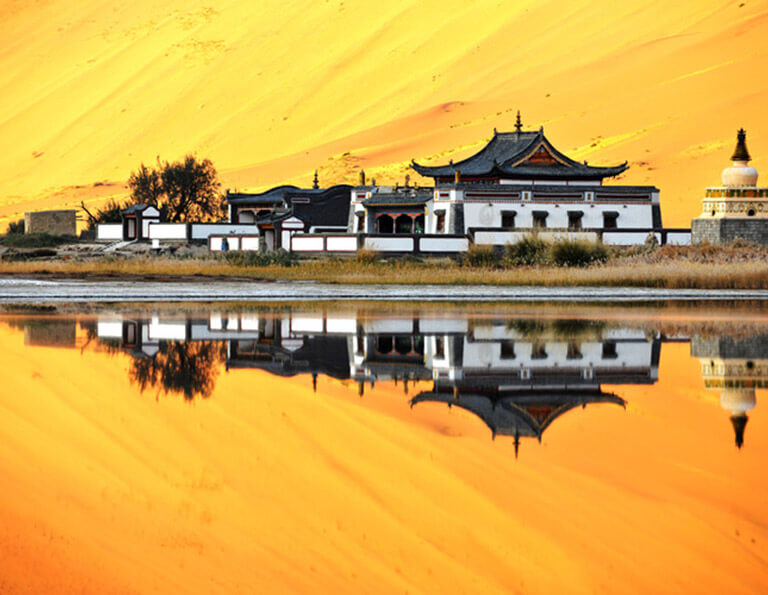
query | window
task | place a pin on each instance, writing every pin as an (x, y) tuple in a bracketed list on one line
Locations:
[(574, 350), (538, 350), (403, 345), (440, 222), (508, 219), (507, 349), (404, 224), (439, 348), (361, 222), (384, 345), (540, 219), (384, 224), (418, 224), (609, 350), (609, 220), (574, 219)]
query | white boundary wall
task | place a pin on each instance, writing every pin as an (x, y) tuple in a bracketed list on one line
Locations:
[(680, 238), (168, 231), (444, 244), (235, 243), (341, 244), (202, 231), (501, 238), (627, 239), (308, 244), (109, 231), (379, 244)]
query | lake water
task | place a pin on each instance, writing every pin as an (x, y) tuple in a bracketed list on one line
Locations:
[(351, 448)]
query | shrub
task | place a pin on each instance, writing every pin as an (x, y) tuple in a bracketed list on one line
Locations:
[(16, 227), (528, 251), (367, 257), (577, 253), (260, 259), (481, 256)]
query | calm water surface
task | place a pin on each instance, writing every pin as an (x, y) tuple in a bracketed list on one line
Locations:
[(359, 450)]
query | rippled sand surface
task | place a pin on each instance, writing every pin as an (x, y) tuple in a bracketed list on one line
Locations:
[(269, 486)]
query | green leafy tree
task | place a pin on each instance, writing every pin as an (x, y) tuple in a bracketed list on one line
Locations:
[(186, 190), (187, 368), (146, 185)]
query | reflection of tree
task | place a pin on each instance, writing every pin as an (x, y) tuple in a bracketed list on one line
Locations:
[(179, 367)]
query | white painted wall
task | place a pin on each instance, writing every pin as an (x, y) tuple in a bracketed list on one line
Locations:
[(109, 231), (626, 239), (202, 231), (502, 238), (383, 244), (300, 243), (146, 223), (444, 244), (341, 244), (167, 231), (488, 214), (232, 241), (109, 329), (679, 238)]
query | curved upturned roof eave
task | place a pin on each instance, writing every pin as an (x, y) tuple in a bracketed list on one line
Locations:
[(526, 145)]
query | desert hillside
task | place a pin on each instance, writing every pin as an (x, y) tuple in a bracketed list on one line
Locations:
[(272, 90)]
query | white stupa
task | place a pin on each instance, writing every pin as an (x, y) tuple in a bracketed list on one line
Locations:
[(737, 210)]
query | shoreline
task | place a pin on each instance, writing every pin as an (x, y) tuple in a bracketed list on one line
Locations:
[(29, 290)]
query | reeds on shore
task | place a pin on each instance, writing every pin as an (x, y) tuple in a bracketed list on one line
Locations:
[(675, 269)]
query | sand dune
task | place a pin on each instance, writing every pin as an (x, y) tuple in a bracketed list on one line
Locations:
[(269, 487), (270, 93)]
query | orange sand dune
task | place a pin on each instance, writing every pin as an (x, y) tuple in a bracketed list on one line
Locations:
[(269, 487), (273, 90)]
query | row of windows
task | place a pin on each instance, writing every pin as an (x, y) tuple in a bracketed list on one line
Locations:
[(412, 223), (574, 220)]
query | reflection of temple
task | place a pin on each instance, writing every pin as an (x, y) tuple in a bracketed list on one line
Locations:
[(518, 376), (735, 367), (518, 379)]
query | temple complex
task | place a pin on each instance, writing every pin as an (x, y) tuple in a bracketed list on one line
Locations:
[(517, 182), (737, 210)]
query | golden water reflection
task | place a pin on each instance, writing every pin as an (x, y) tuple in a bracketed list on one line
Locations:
[(351, 450)]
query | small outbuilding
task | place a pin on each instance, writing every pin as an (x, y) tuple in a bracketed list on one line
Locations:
[(57, 223), (136, 221)]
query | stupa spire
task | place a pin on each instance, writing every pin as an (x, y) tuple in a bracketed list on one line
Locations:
[(741, 153), (739, 423), (518, 123)]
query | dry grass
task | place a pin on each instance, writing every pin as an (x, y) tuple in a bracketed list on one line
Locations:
[(631, 271)]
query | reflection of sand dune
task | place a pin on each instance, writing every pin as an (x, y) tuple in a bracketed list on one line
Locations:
[(88, 90)]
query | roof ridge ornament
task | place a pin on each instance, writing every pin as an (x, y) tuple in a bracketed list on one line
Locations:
[(518, 123)]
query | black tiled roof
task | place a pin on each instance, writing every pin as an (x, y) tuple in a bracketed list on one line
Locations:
[(406, 197), (135, 209), (508, 413), (504, 154), (315, 206)]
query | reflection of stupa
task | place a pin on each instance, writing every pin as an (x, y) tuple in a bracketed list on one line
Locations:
[(735, 368), (736, 210)]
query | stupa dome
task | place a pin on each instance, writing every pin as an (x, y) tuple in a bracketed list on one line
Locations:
[(738, 400), (740, 174)]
